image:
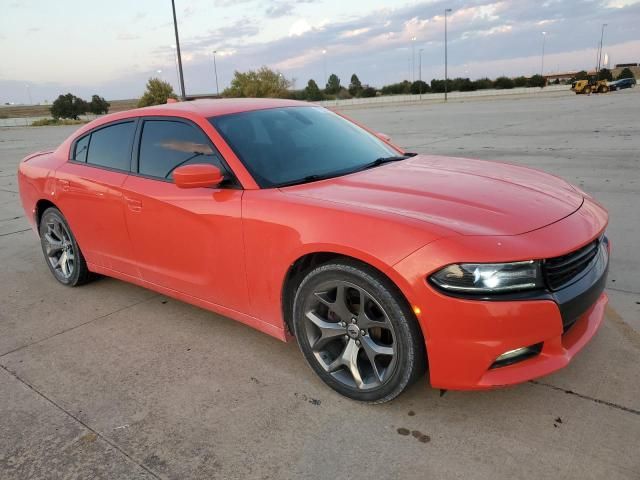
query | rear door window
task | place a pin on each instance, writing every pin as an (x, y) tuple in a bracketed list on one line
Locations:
[(111, 146), (166, 145), (80, 151)]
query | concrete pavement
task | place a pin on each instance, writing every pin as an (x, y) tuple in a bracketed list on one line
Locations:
[(113, 381)]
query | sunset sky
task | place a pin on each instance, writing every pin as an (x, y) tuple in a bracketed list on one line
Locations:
[(112, 47)]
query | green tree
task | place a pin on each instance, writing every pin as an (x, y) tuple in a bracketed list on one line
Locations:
[(483, 84), (333, 85), (581, 75), (537, 81), (521, 82), (419, 86), (355, 87), (157, 93), (503, 83), (261, 83), (68, 106), (368, 92), (463, 84), (98, 105), (399, 88), (625, 73), (312, 91), (437, 86), (605, 74)]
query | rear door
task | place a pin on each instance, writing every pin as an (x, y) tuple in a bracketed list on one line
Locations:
[(89, 194), (187, 240)]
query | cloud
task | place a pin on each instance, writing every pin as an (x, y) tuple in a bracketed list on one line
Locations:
[(486, 38), (621, 3), (139, 16), (354, 32), (283, 8), (279, 10), (125, 36), (188, 11), (229, 3)]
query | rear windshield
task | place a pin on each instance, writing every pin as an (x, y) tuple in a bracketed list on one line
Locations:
[(288, 145)]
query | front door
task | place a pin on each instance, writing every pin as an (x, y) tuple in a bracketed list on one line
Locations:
[(187, 240)]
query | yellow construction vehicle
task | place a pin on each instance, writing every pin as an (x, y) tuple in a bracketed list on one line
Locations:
[(587, 87)]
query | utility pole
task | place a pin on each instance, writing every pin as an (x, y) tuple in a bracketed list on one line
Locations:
[(544, 37), (215, 71), (324, 66), (420, 71), (413, 59), (599, 62), (446, 74), (175, 27)]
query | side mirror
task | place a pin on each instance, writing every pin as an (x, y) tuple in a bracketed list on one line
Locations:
[(197, 175), (383, 136)]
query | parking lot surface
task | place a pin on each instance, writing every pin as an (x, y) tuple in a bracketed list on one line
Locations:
[(114, 381)]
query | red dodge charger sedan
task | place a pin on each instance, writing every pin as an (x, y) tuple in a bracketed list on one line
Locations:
[(301, 223)]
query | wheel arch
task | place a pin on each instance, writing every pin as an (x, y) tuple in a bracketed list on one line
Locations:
[(308, 261), (41, 206)]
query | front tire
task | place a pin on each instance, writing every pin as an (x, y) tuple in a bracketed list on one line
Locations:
[(357, 333), (60, 249)]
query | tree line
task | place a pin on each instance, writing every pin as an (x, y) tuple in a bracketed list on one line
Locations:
[(70, 106), (265, 82)]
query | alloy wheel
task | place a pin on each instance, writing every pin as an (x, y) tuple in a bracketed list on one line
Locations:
[(350, 335), (59, 248)]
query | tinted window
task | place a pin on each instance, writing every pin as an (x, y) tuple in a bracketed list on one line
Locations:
[(111, 146), (80, 152), (293, 144), (166, 145)]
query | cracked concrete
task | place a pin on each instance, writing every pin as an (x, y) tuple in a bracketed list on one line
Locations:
[(113, 381)]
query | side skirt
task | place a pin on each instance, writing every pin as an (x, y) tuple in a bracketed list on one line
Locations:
[(256, 323)]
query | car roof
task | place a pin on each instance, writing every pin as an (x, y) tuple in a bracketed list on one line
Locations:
[(223, 106)]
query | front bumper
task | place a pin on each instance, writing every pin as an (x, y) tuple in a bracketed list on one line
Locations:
[(464, 337)]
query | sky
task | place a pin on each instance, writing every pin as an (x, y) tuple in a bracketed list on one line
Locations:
[(112, 47)]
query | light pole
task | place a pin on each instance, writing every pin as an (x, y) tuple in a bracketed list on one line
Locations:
[(215, 71), (600, 52), (175, 60), (29, 94), (175, 28), (446, 74), (420, 71), (544, 37), (413, 59), (324, 65)]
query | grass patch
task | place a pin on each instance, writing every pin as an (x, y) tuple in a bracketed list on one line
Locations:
[(44, 122)]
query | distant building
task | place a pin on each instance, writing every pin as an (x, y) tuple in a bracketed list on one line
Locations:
[(634, 67)]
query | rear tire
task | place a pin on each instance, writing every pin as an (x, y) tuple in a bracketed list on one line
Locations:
[(357, 332), (61, 251)]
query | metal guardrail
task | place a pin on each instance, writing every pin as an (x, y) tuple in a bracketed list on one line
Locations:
[(384, 99), (27, 121)]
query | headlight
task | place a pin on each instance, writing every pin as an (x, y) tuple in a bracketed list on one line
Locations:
[(489, 277)]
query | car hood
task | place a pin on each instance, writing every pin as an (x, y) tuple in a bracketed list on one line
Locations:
[(470, 197)]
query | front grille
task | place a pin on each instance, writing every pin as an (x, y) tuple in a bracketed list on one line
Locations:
[(559, 271)]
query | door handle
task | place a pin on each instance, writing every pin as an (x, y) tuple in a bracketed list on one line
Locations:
[(133, 204)]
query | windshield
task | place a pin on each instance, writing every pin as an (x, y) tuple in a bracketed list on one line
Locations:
[(284, 146)]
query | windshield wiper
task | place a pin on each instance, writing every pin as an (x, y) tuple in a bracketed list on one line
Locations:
[(382, 160), (375, 163), (308, 178)]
